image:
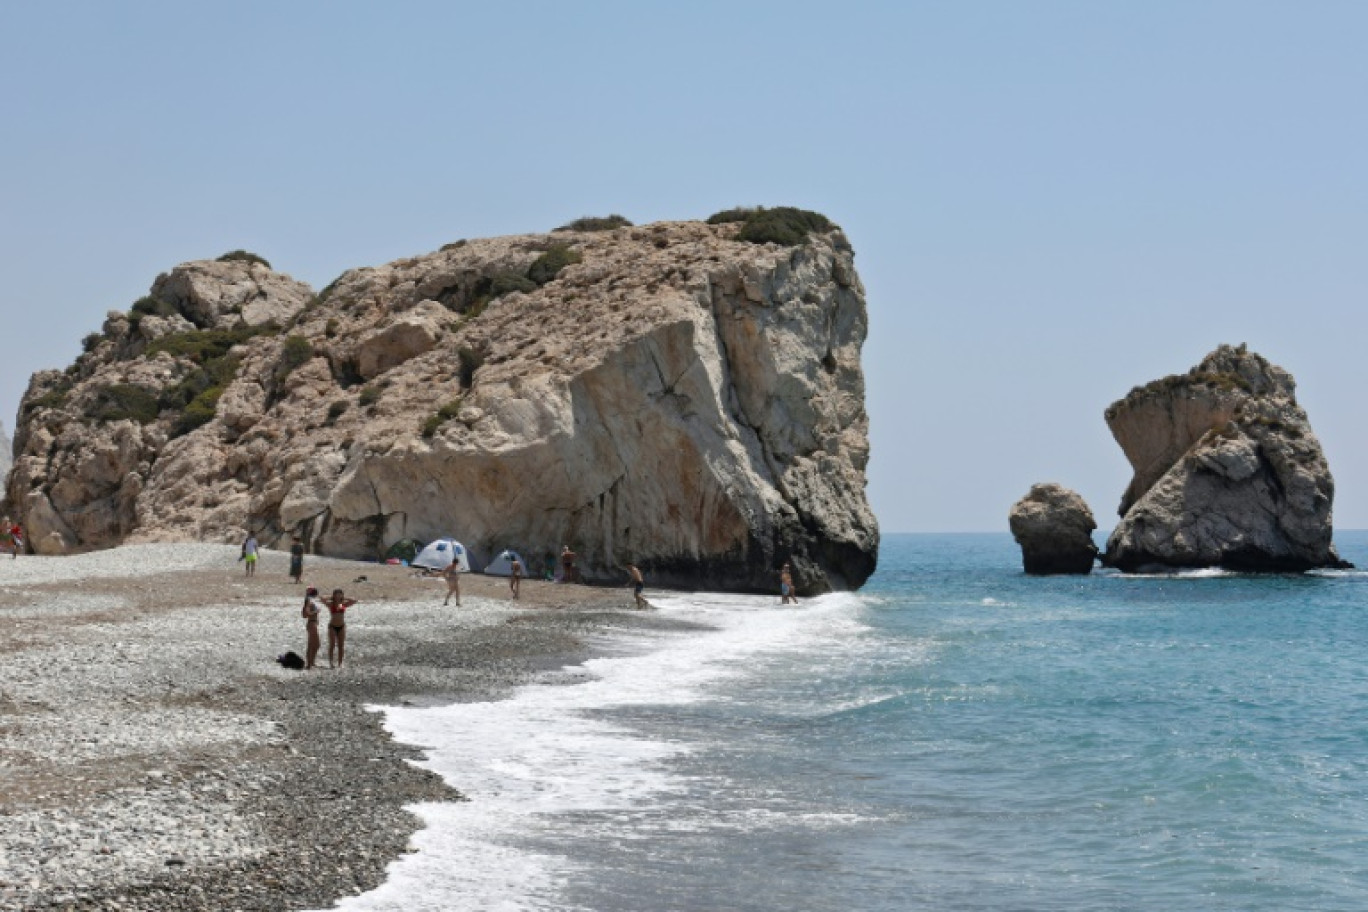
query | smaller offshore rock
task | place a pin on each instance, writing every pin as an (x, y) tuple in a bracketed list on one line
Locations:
[(1228, 472), (1054, 527)]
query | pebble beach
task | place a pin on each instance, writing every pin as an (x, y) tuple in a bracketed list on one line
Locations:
[(153, 754)]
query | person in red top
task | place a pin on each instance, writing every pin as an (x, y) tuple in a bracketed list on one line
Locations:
[(337, 605), (16, 534)]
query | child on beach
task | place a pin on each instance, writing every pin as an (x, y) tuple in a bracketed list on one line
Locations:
[(337, 606), (249, 553), (452, 575), (312, 609)]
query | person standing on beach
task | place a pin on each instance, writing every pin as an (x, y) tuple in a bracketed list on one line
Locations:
[(337, 606), (786, 586), (515, 575), (250, 550), (312, 609), (452, 575), (638, 583), (296, 560), (568, 573)]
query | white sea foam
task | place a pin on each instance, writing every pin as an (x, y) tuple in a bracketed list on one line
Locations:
[(527, 762)]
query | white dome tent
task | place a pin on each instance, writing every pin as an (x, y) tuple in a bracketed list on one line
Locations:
[(439, 554), (503, 564)]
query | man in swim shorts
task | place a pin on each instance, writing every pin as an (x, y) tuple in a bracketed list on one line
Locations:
[(515, 575), (786, 586), (638, 583), (452, 575)]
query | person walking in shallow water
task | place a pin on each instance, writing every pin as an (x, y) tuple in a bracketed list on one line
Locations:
[(638, 583), (786, 592), (337, 606)]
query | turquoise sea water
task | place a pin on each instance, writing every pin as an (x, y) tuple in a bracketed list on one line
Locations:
[(956, 736)]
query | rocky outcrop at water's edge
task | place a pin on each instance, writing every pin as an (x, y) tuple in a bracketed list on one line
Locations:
[(1228, 472), (667, 395), (1054, 527)]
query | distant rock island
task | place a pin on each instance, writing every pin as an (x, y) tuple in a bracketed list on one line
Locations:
[(1228, 473), (1054, 527), (687, 396)]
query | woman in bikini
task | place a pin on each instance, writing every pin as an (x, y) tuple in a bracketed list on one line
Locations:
[(312, 609), (337, 606)]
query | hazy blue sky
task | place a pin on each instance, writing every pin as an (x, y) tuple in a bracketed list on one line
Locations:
[(1050, 202)]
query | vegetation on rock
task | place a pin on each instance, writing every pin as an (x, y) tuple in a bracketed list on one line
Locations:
[(295, 352), (782, 225), (444, 414), (545, 267), (203, 346), (243, 256), (148, 306), (596, 223), (124, 401)]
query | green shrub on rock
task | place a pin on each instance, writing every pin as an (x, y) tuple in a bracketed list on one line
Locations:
[(545, 267), (727, 216), (203, 346), (596, 223), (243, 256), (149, 306), (295, 352), (200, 411), (782, 225), (444, 414), (124, 401)]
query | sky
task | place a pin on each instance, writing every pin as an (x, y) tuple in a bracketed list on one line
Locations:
[(1050, 202)]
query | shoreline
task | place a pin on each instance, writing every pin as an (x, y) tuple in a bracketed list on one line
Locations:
[(155, 756)]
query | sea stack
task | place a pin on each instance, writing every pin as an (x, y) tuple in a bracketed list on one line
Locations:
[(1054, 527), (1227, 472), (684, 396)]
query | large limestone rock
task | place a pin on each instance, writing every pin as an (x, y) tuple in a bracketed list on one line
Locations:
[(1227, 472), (672, 397), (1054, 527)]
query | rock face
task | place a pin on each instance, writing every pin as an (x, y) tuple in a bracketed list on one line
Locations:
[(666, 395), (6, 448), (1227, 472), (1054, 527)]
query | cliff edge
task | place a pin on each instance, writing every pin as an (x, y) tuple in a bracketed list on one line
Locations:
[(670, 395)]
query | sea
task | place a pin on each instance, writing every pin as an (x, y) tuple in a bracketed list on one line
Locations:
[(954, 736)]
